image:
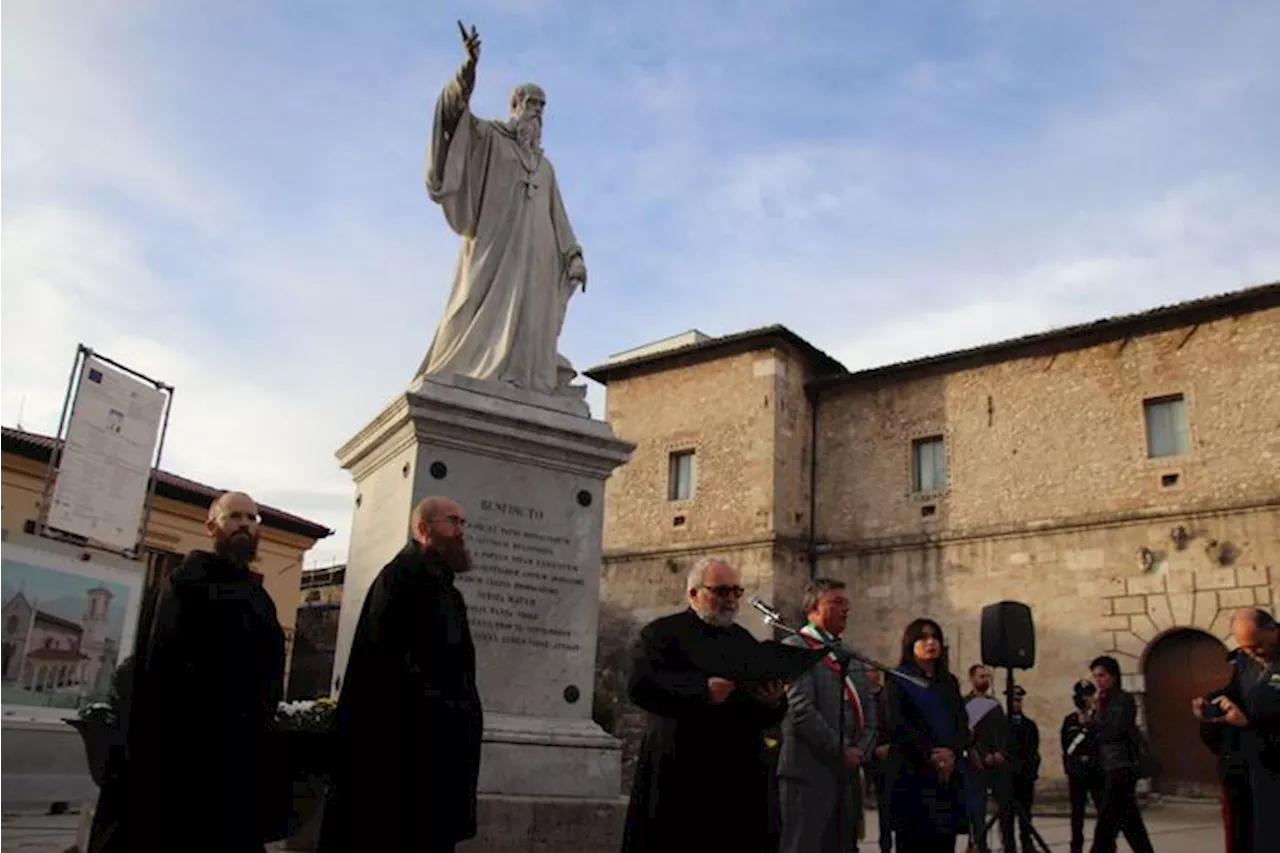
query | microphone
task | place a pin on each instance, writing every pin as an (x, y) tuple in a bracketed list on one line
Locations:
[(774, 619), (771, 616)]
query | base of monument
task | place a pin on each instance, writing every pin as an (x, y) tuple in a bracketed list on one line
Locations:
[(538, 824), (510, 824), (539, 757), (570, 399)]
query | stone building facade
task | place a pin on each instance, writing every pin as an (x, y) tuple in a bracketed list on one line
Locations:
[(1121, 477)]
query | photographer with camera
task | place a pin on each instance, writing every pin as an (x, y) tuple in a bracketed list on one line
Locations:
[(1080, 760), (1241, 723), (1224, 741)]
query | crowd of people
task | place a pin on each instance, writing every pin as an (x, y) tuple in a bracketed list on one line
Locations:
[(725, 764), (933, 757)]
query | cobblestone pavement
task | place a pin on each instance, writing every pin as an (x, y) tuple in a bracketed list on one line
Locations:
[(1174, 828)]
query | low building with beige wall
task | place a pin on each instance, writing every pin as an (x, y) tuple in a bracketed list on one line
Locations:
[(1121, 477), (175, 526)]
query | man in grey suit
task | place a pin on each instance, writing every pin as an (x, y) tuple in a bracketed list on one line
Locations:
[(819, 790)]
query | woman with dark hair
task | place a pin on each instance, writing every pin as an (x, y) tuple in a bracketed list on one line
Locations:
[(1114, 722), (928, 733)]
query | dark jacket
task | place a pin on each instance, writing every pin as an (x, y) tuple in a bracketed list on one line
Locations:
[(920, 801), (1025, 737), (1237, 800), (1255, 688), (409, 722), (1114, 725), (991, 734), (1082, 761)]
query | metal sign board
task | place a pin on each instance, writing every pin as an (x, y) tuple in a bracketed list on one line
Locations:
[(103, 478)]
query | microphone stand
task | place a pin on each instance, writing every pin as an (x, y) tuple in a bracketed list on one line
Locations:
[(843, 653), (843, 656), (1012, 808)]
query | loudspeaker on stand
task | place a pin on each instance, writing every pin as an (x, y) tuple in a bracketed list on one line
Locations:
[(1008, 635)]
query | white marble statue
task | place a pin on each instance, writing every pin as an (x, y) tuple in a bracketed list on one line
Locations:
[(519, 263)]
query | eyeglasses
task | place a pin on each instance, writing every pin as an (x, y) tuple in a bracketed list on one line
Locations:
[(725, 590), (455, 520)]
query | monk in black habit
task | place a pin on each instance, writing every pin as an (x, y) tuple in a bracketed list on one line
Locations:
[(409, 721), (207, 682), (702, 780)]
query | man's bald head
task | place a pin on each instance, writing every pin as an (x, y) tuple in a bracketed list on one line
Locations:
[(233, 524), (1254, 631), (439, 524)]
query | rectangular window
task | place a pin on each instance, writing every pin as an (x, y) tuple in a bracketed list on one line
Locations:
[(681, 476), (1166, 426), (929, 464)]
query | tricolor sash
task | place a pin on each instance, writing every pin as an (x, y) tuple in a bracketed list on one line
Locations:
[(810, 634)]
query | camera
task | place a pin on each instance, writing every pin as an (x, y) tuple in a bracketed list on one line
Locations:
[(1210, 710), (1081, 692)]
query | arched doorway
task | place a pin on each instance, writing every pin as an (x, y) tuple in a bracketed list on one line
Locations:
[(1180, 666)]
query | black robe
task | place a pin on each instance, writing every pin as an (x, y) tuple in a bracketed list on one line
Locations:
[(207, 682), (409, 721), (1255, 749), (702, 779)]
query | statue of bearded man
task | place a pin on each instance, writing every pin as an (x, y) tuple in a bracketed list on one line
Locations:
[(520, 262)]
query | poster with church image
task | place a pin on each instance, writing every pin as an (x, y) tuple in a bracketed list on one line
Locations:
[(67, 624)]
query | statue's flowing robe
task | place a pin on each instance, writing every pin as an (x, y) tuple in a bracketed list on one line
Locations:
[(511, 284)]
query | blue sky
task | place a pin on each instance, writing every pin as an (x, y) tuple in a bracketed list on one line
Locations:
[(229, 196)]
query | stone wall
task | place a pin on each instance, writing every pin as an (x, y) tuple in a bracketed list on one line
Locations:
[(1039, 441), (1050, 497), (723, 412), (1088, 589)]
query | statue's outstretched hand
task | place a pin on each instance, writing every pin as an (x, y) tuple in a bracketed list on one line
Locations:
[(578, 273), (471, 42)]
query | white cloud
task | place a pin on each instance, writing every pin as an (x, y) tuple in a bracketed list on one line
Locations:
[(248, 223)]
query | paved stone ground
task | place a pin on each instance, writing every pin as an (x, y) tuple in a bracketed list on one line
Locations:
[(1174, 828)]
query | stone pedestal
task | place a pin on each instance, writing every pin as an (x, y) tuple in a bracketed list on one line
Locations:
[(529, 470)]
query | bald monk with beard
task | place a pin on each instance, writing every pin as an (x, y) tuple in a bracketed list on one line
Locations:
[(208, 677), (409, 719)]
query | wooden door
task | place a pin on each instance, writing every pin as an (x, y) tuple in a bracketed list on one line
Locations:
[(1181, 666)]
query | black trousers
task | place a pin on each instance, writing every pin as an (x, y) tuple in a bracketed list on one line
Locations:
[(1264, 786), (1237, 810), (1118, 814), (1080, 786), (883, 783)]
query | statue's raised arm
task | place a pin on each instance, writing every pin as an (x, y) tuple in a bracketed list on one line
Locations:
[(457, 94)]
